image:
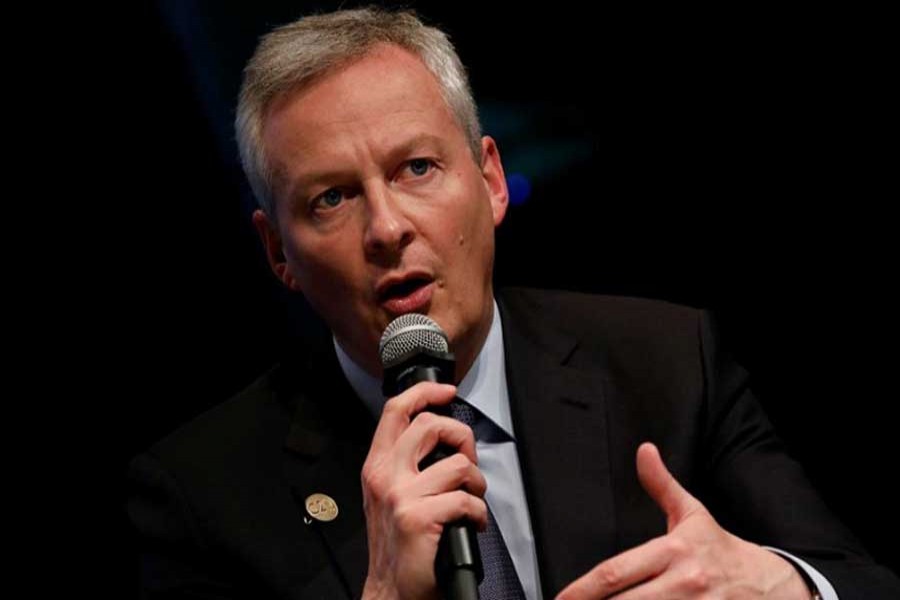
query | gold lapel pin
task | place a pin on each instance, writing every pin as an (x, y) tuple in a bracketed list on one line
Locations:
[(321, 507)]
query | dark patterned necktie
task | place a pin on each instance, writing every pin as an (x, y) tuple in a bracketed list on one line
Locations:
[(500, 579)]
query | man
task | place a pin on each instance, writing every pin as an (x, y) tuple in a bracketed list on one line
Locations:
[(379, 197)]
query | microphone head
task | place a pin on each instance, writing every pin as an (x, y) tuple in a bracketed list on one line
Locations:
[(408, 333)]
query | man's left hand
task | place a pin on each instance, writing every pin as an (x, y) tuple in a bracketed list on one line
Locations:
[(696, 558)]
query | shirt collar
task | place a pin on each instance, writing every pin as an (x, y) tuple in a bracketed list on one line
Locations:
[(484, 385)]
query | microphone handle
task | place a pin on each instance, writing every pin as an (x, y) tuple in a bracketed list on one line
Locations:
[(457, 566)]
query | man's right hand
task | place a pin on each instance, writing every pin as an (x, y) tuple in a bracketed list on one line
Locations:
[(406, 508)]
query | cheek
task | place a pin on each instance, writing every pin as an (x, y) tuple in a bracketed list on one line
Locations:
[(316, 276), (469, 255), (337, 289), (475, 236)]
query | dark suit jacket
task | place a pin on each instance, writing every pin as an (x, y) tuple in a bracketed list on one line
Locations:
[(219, 503)]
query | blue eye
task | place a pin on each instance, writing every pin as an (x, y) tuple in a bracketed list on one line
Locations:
[(419, 166), (330, 198)]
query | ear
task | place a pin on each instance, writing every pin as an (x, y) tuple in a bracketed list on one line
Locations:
[(271, 241), (494, 179)]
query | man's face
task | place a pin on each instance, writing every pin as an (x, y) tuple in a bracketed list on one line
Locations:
[(381, 207)]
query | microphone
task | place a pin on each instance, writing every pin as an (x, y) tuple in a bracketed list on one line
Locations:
[(414, 348)]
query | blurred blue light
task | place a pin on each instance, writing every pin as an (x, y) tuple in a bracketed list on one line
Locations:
[(519, 188)]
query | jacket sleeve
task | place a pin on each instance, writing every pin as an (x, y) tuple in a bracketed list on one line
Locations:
[(174, 560), (758, 492)]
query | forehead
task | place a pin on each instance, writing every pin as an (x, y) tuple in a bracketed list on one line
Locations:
[(386, 93)]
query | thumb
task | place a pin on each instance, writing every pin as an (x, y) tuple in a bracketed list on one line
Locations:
[(665, 490)]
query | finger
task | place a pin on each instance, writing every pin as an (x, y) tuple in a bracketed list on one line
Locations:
[(665, 490), (399, 410), (426, 431), (673, 583), (622, 571), (451, 473), (452, 506)]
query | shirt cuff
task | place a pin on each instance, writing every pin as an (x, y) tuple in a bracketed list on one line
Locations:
[(826, 592)]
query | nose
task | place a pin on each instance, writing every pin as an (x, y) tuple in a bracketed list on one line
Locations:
[(388, 229)]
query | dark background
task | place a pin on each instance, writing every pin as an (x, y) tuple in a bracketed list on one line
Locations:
[(728, 159)]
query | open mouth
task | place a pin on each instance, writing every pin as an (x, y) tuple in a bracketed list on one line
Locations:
[(404, 288)]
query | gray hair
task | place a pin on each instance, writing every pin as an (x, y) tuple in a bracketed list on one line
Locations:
[(297, 54)]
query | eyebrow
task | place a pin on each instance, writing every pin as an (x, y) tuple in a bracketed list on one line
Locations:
[(404, 148)]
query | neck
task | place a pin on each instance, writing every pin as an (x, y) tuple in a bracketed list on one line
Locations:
[(467, 351)]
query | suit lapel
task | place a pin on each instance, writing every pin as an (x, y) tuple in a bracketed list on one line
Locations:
[(560, 420), (325, 450)]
